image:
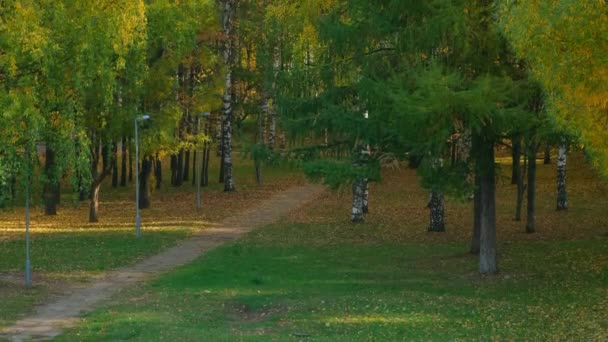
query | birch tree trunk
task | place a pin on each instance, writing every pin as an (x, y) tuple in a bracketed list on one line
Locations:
[(365, 197), (562, 194), (437, 208), (228, 18), (358, 195)]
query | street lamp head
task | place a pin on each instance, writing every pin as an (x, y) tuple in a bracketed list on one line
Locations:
[(205, 114), (144, 117)]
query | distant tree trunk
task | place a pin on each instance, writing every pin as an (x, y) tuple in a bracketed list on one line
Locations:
[(51, 186), (531, 212), (229, 51), (206, 158), (261, 136), (179, 168), (123, 162), (516, 155), (562, 194), (187, 166), (98, 179), (144, 182), (130, 160), (272, 132), (437, 207), (221, 179), (521, 190), (94, 203), (487, 241), (219, 131), (358, 193), (82, 189), (173, 169), (158, 173), (365, 197), (547, 159), (115, 169), (282, 140), (194, 161), (476, 215)]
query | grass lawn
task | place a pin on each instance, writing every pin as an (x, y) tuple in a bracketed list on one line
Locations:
[(67, 249), (314, 276)]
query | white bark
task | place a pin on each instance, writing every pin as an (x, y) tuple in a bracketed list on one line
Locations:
[(358, 194), (562, 195), (227, 109)]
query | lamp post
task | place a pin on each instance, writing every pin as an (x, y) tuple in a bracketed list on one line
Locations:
[(201, 160), (137, 215)]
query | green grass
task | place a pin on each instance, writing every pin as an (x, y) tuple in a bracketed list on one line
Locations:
[(259, 290), (316, 277), (66, 249), (92, 252), (61, 258)]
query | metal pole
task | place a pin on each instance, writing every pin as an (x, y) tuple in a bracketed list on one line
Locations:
[(137, 216), (198, 167), (28, 264)]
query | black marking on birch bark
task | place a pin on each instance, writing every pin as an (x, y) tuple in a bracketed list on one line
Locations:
[(562, 194)]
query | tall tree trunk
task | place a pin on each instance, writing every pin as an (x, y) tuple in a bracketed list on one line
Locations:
[(108, 163), (158, 173), (194, 161), (187, 166), (476, 215), (94, 202), (437, 207), (282, 140), (130, 160), (206, 158), (516, 155), (547, 159), (123, 162), (487, 249), (52, 184), (261, 137), (173, 169), (365, 196), (272, 132), (179, 175), (531, 209), (144, 182), (358, 193), (228, 26), (562, 156), (521, 190), (115, 169)]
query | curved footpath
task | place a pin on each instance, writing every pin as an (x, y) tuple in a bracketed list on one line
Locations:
[(49, 320)]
